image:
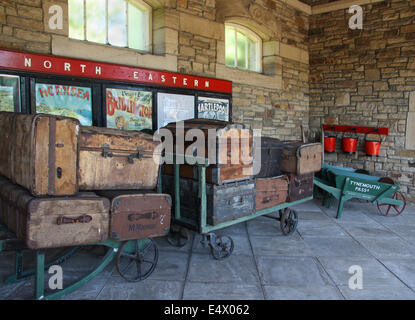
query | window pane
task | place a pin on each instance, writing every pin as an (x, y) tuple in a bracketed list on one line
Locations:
[(138, 28), (252, 56), (129, 109), (76, 19), (117, 23), (96, 21), (63, 100), (9, 93), (230, 46), (241, 50)]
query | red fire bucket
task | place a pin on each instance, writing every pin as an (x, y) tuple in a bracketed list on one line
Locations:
[(330, 144), (350, 145), (373, 147)]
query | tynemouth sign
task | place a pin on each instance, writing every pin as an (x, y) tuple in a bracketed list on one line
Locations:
[(31, 62)]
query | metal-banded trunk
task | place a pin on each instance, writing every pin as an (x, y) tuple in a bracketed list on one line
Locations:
[(111, 159), (300, 187), (39, 152), (301, 159), (138, 215), (229, 148), (224, 202), (271, 192), (53, 222), (271, 150)]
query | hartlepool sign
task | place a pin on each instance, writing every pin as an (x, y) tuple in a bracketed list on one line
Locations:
[(31, 62)]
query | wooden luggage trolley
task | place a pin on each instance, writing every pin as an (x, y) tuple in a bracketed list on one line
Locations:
[(221, 246)]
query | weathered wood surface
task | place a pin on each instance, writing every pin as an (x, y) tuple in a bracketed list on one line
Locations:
[(230, 150), (271, 192), (40, 153), (301, 159), (111, 159), (53, 222), (138, 215), (300, 187)]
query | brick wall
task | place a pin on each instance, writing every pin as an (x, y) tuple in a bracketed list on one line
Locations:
[(365, 77)]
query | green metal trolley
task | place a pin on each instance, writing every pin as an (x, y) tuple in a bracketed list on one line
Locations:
[(220, 246), (135, 261)]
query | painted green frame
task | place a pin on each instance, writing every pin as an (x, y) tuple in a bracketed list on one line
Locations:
[(203, 226)]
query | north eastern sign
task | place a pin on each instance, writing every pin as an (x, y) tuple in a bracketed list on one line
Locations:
[(31, 62)]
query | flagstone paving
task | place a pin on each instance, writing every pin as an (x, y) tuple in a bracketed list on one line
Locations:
[(313, 263)]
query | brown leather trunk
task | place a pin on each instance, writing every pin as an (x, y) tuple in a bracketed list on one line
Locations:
[(231, 160), (111, 159), (55, 222), (271, 192), (300, 187), (39, 152), (138, 215), (301, 159)]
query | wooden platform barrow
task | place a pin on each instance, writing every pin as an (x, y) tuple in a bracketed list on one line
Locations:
[(345, 184)]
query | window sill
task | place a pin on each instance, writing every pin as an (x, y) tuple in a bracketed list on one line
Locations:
[(64, 46), (248, 77)]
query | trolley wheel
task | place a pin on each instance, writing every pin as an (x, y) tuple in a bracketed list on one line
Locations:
[(178, 236), (222, 247), (137, 259), (385, 209), (288, 221)]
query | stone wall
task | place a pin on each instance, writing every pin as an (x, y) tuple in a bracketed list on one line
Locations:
[(189, 37), (365, 77)]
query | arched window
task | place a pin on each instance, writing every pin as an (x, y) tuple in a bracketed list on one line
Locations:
[(122, 23), (243, 48)]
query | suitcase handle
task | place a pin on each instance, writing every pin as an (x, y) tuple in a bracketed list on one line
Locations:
[(81, 219), (107, 154)]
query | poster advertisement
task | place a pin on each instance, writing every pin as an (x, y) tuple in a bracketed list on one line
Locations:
[(174, 108), (214, 109), (9, 93), (129, 109), (67, 101), (6, 99)]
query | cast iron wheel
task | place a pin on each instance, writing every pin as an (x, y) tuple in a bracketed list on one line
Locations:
[(288, 221), (144, 258), (178, 236), (222, 248), (385, 209)]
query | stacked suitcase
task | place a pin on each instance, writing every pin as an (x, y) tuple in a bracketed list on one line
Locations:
[(230, 182), (52, 170)]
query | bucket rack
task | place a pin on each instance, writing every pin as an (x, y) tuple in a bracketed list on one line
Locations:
[(349, 146)]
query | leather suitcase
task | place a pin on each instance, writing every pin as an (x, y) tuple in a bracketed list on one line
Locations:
[(39, 152), (300, 187), (111, 159), (55, 222), (271, 151), (224, 202), (226, 166), (301, 159), (138, 215), (271, 192)]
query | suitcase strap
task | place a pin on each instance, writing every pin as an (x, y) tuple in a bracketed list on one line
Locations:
[(81, 219)]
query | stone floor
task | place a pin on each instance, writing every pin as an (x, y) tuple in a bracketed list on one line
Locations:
[(313, 263)]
